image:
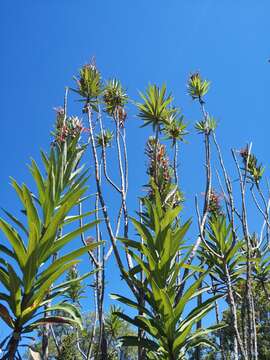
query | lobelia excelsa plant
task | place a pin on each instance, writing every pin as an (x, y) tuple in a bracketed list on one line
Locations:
[(27, 274), (225, 260), (169, 329)]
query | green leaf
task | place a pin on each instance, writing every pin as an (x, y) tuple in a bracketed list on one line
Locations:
[(62, 261), (70, 310), (5, 316), (16, 221), (41, 291), (62, 241), (16, 242), (34, 224), (134, 341), (53, 320), (15, 291), (39, 180), (130, 303), (187, 295), (70, 219)]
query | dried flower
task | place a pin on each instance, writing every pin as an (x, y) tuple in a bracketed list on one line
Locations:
[(90, 240), (66, 128), (215, 208)]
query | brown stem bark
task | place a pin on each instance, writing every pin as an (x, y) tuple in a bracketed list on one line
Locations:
[(13, 344)]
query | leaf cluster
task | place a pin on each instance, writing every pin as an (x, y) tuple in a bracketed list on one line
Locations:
[(251, 165), (175, 129), (104, 138), (114, 97), (89, 84), (223, 255), (169, 328), (197, 87), (27, 276), (155, 109), (206, 126)]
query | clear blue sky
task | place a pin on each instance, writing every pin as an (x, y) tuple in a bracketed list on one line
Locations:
[(44, 42)]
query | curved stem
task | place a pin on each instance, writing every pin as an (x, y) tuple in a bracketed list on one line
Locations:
[(175, 165), (104, 157), (102, 201), (249, 294)]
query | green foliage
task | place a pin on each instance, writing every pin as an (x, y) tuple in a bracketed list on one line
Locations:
[(261, 267), (170, 299), (155, 110), (169, 328), (226, 254), (76, 289), (113, 324), (114, 97), (255, 170), (262, 309), (175, 129), (89, 84), (114, 328), (206, 126), (104, 138), (197, 87), (26, 274), (69, 349)]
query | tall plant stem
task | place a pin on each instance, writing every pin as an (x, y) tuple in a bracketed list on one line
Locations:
[(13, 344), (123, 186), (266, 211), (123, 171), (46, 330), (229, 188), (102, 201), (220, 334), (141, 332), (208, 189), (175, 164), (251, 352), (208, 186)]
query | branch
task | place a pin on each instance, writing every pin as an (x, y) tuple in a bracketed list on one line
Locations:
[(102, 201), (103, 154)]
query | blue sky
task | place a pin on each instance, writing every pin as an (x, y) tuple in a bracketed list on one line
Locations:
[(45, 42)]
